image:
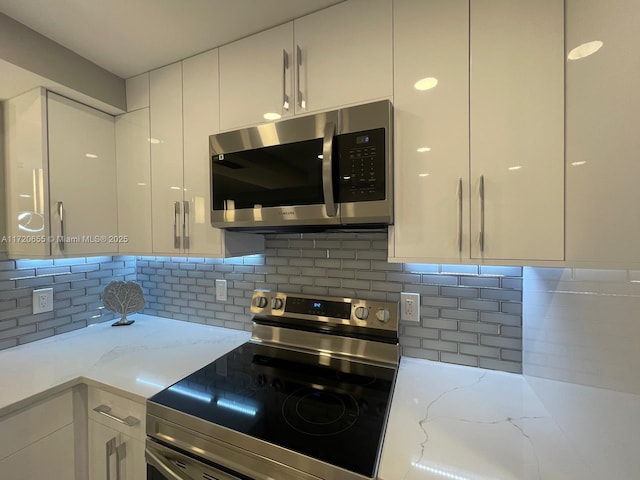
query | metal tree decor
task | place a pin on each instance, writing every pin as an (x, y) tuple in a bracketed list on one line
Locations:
[(123, 298)]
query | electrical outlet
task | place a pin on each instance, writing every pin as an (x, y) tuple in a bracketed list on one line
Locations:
[(221, 290), (410, 307), (43, 300)]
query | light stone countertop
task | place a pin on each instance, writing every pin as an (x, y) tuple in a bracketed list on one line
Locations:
[(462, 423), (446, 421)]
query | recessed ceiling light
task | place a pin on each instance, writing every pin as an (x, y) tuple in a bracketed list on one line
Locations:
[(272, 116), (584, 50), (426, 83)]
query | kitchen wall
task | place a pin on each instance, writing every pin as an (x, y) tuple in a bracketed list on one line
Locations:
[(469, 315), (77, 284), (583, 326)]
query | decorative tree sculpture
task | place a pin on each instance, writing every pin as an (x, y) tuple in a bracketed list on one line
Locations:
[(123, 298)]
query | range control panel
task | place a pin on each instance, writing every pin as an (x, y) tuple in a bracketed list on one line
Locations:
[(362, 166), (337, 310)]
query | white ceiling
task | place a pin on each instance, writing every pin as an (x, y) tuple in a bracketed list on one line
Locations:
[(128, 37)]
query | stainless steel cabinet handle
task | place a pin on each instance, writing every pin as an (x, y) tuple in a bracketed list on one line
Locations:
[(121, 454), (460, 215), (61, 215), (482, 213), (327, 169), (285, 67), (176, 219), (302, 103), (185, 225), (106, 411), (111, 449)]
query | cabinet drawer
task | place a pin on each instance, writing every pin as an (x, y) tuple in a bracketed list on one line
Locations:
[(119, 413), (34, 423)]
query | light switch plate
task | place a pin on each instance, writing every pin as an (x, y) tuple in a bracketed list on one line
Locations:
[(410, 307), (221, 290), (43, 300)]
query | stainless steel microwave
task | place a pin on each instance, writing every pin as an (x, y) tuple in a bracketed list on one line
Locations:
[(322, 171)]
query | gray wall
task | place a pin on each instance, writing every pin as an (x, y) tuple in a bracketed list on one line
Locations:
[(471, 315), (77, 284)]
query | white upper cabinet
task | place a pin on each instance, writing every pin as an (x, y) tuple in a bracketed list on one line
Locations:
[(338, 56), (137, 92), (82, 178), (479, 122), (344, 55), (431, 111), (603, 101), (26, 175), (184, 112), (134, 182), (517, 129), (166, 158), (256, 78)]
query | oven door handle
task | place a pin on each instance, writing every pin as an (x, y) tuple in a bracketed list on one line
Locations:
[(327, 169), (166, 470)]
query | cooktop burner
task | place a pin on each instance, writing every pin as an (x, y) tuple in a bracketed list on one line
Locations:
[(293, 400)]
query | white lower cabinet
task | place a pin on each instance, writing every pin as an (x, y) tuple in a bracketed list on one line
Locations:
[(39, 441), (116, 437), (114, 455)]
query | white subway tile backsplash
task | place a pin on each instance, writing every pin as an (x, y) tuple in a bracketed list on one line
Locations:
[(582, 326)]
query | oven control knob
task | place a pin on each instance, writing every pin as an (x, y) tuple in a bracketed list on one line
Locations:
[(260, 302), (383, 315), (361, 313), (277, 303)]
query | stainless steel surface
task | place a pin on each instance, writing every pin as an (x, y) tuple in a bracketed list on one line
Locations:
[(61, 215), (348, 120), (285, 67), (481, 213), (460, 215), (185, 224), (110, 448), (106, 411), (154, 460), (302, 103), (176, 220), (327, 170), (239, 453)]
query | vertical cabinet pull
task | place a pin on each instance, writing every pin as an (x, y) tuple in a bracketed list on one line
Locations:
[(302, 103), (176, 220), (110, 449), (460, 215), (481, 213), (185, 225), (285, 67), (121, 454), (61, 215)]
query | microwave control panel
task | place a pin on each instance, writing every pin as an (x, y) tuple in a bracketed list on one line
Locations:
[(362, 166)]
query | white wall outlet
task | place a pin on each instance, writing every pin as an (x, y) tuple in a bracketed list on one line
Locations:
[(410, 307), (43, 300), (221, 290)]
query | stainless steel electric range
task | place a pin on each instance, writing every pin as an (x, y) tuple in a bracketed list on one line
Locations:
[(306, 398)]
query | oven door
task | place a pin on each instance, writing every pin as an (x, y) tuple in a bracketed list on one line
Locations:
[(166, 464)]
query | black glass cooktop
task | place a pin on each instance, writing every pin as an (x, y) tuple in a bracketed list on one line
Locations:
[(328, 409)]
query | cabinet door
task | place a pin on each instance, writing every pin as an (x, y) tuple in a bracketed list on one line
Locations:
[(256, 78), (603, 226), (516, 129), (51, 457), (134, 182), (201, 119), (431, 46), (26, 172), (82, 178), (346, 55), (166, 158)]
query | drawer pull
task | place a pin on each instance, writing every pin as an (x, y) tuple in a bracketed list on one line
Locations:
[(106, 411)]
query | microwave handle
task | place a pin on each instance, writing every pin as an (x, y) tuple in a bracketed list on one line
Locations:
[(327, 169)]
